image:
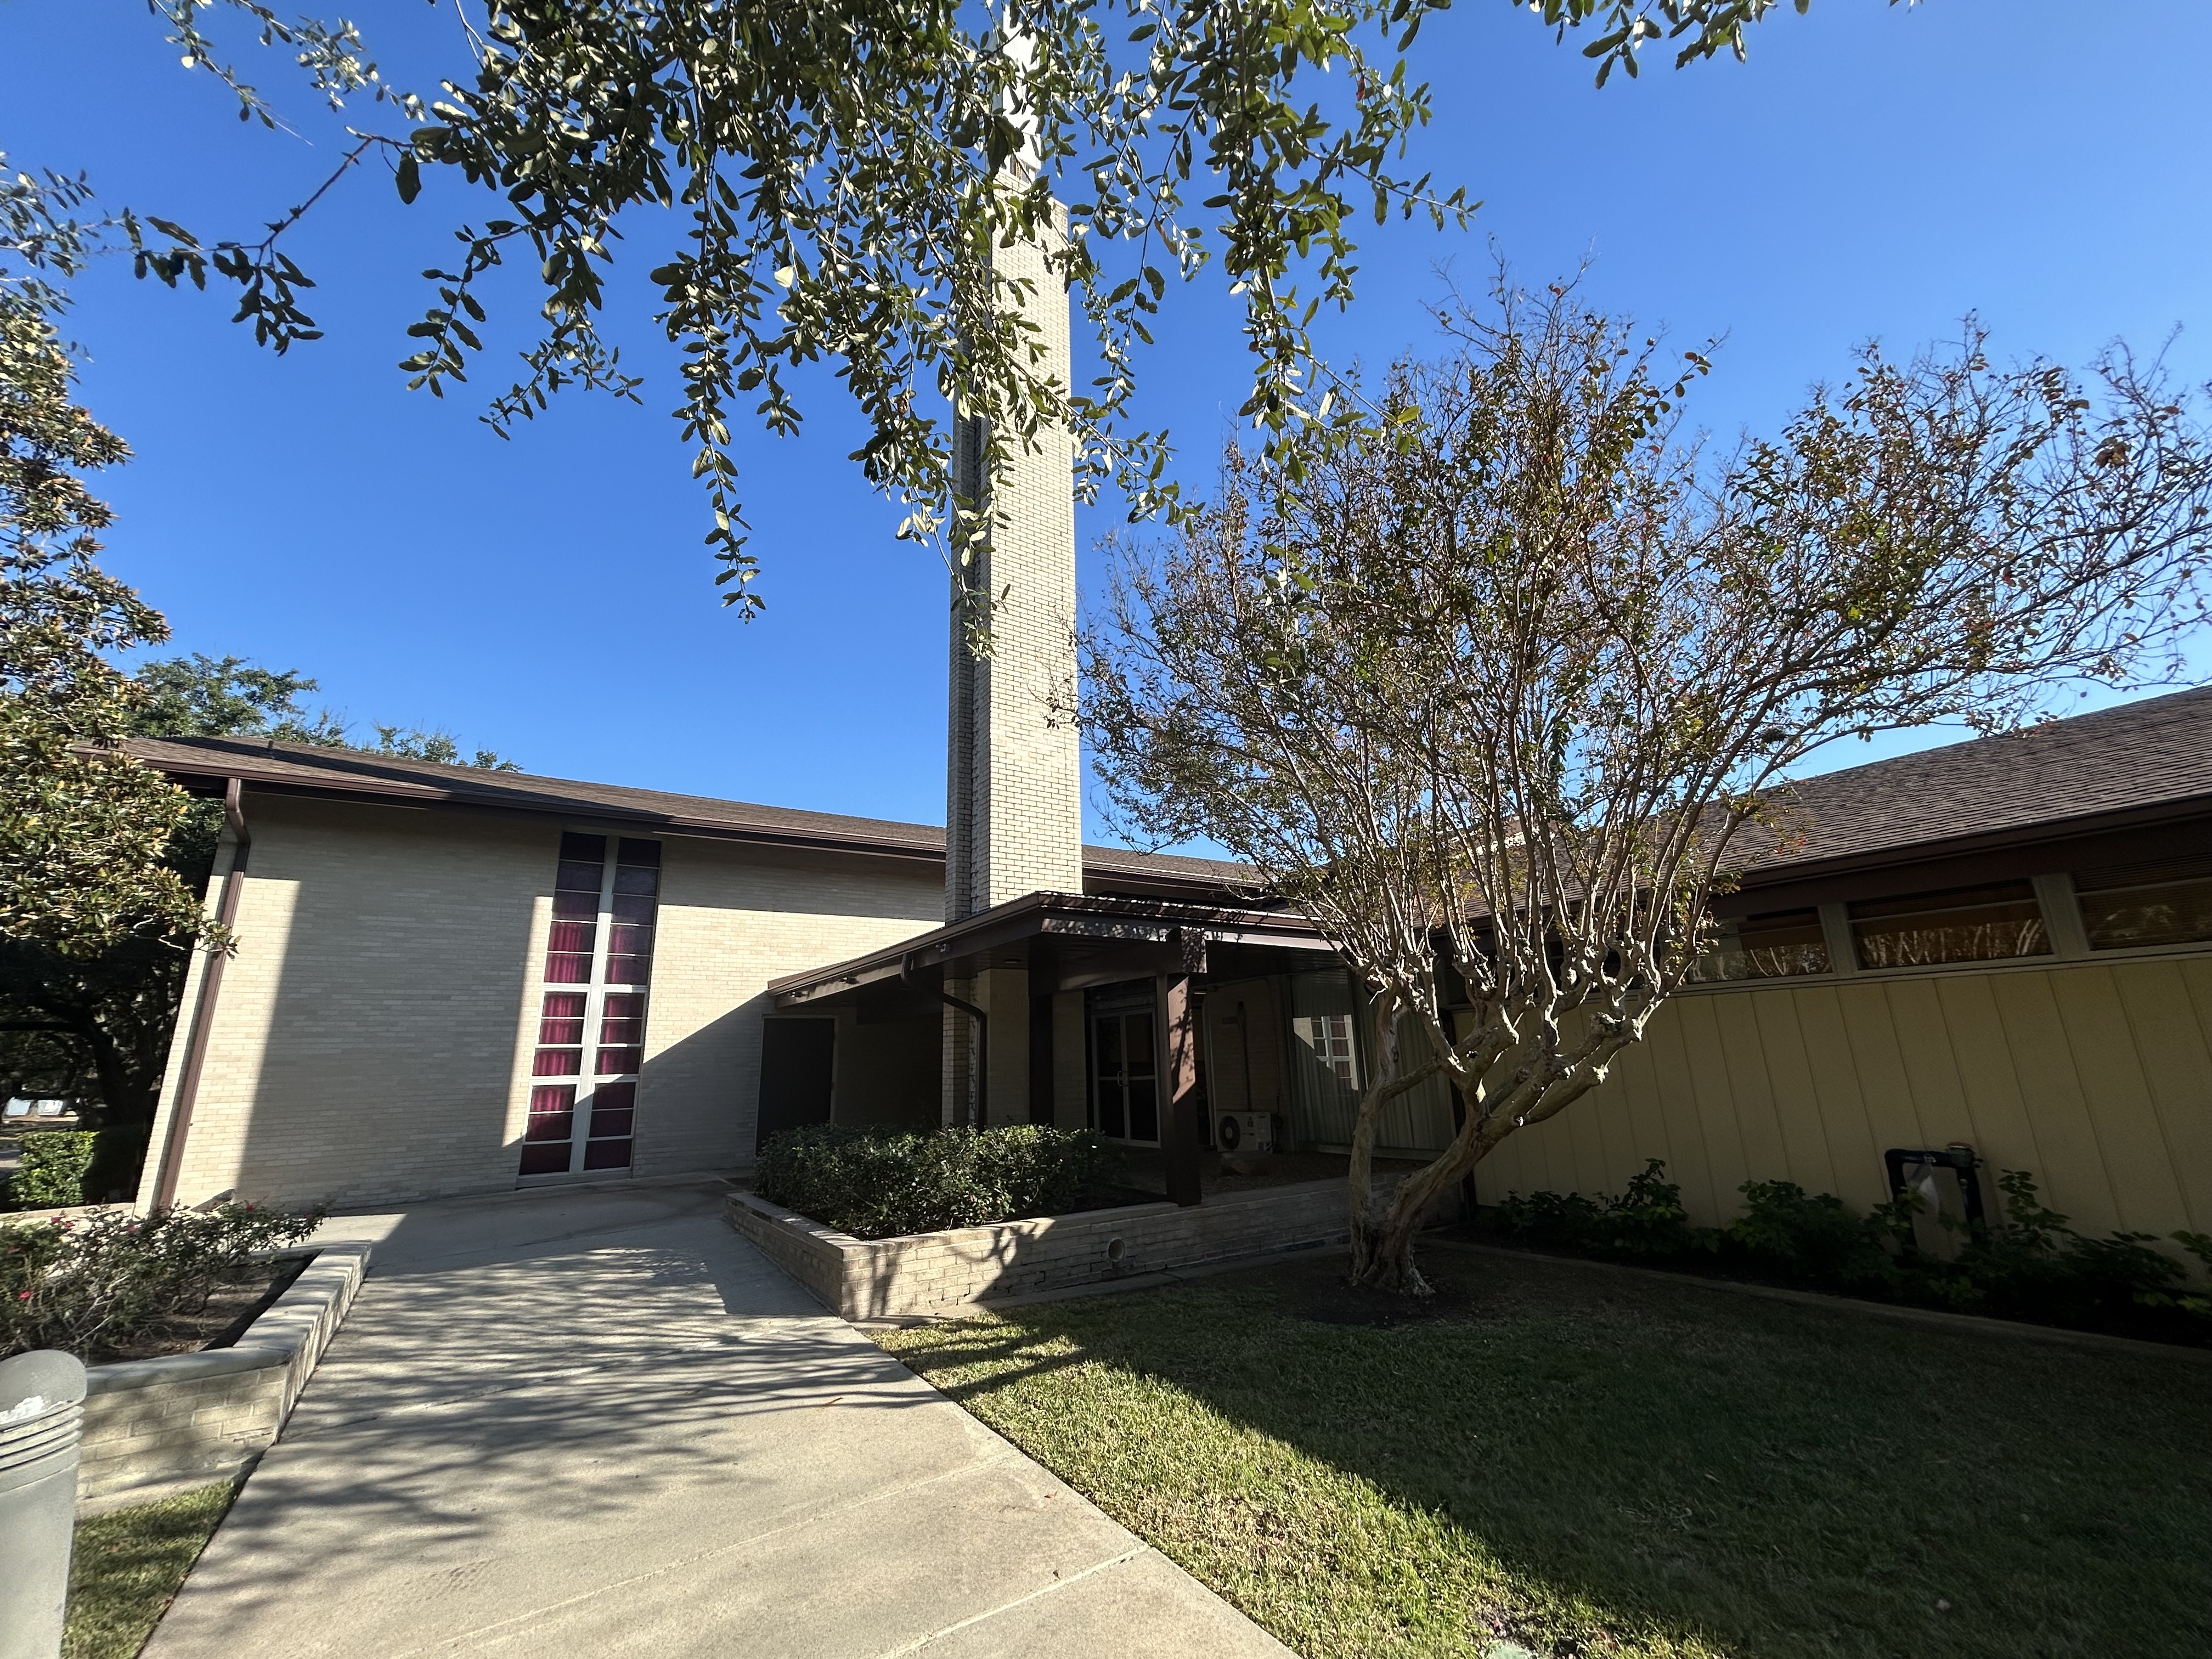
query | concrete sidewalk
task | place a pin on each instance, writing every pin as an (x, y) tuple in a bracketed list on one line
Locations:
[(599, 1423)]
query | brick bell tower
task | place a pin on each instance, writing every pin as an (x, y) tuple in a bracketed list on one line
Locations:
[(1014, 774)]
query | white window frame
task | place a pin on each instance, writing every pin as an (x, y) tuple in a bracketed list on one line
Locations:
[(589, 1079)]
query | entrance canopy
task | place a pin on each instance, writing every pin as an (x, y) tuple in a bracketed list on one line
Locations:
[(1065, 942)]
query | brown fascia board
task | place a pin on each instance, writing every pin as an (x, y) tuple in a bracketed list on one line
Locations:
[(581, 810), (1957, 860)]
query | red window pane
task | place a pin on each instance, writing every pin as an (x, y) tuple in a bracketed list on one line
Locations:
[(567, 970), (576, 906), (551, 1126), (633, 906), (627, 970), (564, 1020), (637, 881), (607, 1154), (548, 1158), (572, 936), (558, 1062), (622, 1033), (552, 1097), (608, 1124), (575, 878), (618, 1062), (624, 1004)]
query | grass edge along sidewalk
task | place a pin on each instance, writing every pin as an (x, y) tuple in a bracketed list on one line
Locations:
[(1578, 1463), (128, 1566)]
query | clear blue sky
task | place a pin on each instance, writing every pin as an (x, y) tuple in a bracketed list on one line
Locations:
[(1870, 172)]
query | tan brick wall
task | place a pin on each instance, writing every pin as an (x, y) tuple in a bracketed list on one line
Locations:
[(372, 1038), (732, 919), (1014, 792), (151, 1423), (866, 1278), (363, 1045)]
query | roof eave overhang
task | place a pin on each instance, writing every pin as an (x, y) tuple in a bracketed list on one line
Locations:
[(1092, 919), (1763, 880), (216, 768)]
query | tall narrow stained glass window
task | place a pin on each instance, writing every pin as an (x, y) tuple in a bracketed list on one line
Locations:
[(590, 1026)]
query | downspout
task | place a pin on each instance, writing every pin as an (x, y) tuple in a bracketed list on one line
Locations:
[(188, 1083), (980, 1056)]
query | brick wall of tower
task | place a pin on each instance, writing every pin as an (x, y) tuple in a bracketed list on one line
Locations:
[(1014, 792)]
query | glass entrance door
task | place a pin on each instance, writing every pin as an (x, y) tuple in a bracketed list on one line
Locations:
[(1125, 1074)]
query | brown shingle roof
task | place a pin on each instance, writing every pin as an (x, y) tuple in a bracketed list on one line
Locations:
[(2132, 759), (2136, 758), (346, 771)]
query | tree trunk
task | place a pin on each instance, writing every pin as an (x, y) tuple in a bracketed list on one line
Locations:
[(1387, 1262)]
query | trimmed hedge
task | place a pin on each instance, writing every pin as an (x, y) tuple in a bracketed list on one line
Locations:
[(62, 1168), (2029, 1266), (50, 1175), (874, 1184)]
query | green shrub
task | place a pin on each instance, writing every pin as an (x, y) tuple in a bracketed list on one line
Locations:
[(50, 1175), (874, 1184), (60, 1168), (1817, 1241), (1645, 1222), (91, 1285), (2030, 1265), (2033, 1266)]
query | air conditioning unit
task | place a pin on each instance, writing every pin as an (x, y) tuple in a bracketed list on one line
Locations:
[(1244, 1132)]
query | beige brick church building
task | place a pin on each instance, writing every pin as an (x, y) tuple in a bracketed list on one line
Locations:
[(451, 982)]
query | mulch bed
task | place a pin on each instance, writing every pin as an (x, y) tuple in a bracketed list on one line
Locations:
[(229, 1312)]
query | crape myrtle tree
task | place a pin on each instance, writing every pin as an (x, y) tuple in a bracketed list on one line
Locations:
[(1500, 687), (826, 182)]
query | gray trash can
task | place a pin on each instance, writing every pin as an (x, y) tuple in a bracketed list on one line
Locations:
[(41, 1419)]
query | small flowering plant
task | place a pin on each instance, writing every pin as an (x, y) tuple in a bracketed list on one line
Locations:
[(92, 1285)]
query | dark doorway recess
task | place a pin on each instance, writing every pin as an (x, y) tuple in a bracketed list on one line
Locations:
[(798, 1059), (1041, 1059)]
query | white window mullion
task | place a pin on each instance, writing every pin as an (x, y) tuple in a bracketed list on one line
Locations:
[(595, 996)]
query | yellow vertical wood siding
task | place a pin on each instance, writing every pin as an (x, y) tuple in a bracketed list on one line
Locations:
[(2095, 1076)]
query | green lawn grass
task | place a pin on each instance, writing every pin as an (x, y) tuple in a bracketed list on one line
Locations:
[(126, 1566), (1584, 1462)]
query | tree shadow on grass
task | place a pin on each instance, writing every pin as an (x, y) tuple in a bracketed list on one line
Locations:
[(1625, 1465)]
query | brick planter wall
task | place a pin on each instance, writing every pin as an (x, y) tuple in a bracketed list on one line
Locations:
[(151, 1423), (867, 1278)]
